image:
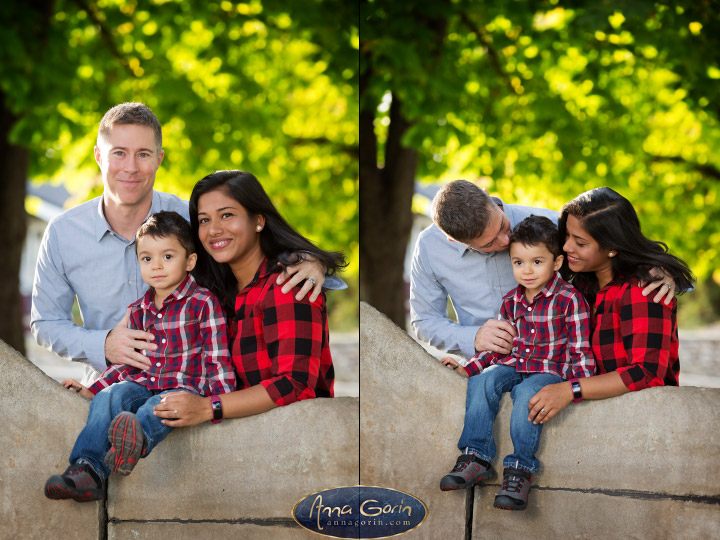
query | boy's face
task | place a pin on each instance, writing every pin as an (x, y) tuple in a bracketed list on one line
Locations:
[(533, 266), (163, 263)]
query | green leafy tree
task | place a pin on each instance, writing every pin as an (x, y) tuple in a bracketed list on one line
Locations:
[(266, 86), (539, 101)]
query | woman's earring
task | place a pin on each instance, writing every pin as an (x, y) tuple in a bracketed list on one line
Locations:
[(259, 228), (611, 254)]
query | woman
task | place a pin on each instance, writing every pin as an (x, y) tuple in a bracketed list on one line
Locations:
[(280, 347), (634, 340)]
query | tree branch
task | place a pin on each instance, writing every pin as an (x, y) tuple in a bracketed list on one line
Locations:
[(706, 170), (492, 53), (106, 35)]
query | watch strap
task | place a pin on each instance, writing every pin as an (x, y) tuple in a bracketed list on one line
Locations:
[(216, 409)]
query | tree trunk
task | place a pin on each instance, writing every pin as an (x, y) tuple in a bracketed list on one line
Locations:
[(385, 214), (13, 172)]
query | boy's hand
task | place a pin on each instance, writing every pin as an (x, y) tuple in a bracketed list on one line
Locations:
[(665, 286), (496, 336), (453, 364), (309, 269), (121, 344), (72, 384)]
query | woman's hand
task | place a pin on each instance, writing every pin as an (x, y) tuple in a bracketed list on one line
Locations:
[(309, 269), (665, 287), (454, 364), (72, 384), (549, 401), (178, 409)]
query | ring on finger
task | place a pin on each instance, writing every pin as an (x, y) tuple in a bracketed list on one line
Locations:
[(668, 286), (311, 280), (541, 410)]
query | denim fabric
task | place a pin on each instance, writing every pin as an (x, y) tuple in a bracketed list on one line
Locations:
[(92, 444), (481, 407)]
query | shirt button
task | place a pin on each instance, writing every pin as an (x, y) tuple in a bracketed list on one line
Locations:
[(158, 364), (159, 315), (152, 379), (163, 340), (527, 350), (529, 309), (522, 360), (532, 331)]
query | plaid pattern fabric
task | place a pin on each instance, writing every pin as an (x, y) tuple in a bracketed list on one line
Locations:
[(280, 342), (635, 336), (552, 333), (191, 335)]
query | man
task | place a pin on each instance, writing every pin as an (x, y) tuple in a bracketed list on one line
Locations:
[(88, 251), (464, 256)]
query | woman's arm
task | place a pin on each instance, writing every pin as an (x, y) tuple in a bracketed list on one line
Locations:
[(553, 398), (179, 409)]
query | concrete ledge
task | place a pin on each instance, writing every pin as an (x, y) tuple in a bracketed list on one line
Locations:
[(645, 462), (237, 479)]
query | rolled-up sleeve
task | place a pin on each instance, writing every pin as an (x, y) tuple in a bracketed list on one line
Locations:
[(293, 334), (215, 348), (646, 328)]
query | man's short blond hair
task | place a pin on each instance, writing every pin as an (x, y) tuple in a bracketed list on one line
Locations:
[(133, 113)]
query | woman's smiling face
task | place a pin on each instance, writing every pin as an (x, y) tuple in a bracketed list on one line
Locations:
[(225, 229), (584, 254)]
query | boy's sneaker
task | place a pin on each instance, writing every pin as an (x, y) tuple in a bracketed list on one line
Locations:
[(127, 441), (79, 483), (515, 489), (468, 471)]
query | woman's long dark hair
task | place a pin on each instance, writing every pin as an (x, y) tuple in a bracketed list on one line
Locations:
[(280, 243), (610, 219)]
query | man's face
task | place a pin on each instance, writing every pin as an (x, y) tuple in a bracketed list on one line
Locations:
[(128, 158), (496, 236)]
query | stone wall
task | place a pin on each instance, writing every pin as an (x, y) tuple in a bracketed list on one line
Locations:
[(643, 465), (237, 479)]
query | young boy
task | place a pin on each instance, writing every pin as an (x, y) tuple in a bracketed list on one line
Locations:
[(189, 328), (552, 343)]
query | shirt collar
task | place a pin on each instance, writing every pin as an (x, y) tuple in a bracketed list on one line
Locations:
[(102, 227), (262, 271), (183, 290)]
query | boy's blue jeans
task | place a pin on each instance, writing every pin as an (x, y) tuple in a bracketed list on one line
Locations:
[(92, 444), (481, 407)]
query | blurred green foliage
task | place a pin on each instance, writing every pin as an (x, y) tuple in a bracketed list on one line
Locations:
[(265, 86), (539, 101)]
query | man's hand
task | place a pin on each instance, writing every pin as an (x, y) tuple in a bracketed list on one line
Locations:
[(496, 336), (665, 287), (72, 384), (309, 269), (454, 364), (121, 344)]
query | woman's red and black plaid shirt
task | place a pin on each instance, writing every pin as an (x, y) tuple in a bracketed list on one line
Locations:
[(635, 336), (280, 342)]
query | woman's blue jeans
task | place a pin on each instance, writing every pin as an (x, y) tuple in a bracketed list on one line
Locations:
[(481, 407), (92, 444)]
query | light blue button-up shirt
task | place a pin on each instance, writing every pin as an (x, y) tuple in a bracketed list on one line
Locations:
[(82, 256), (475, 283)]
